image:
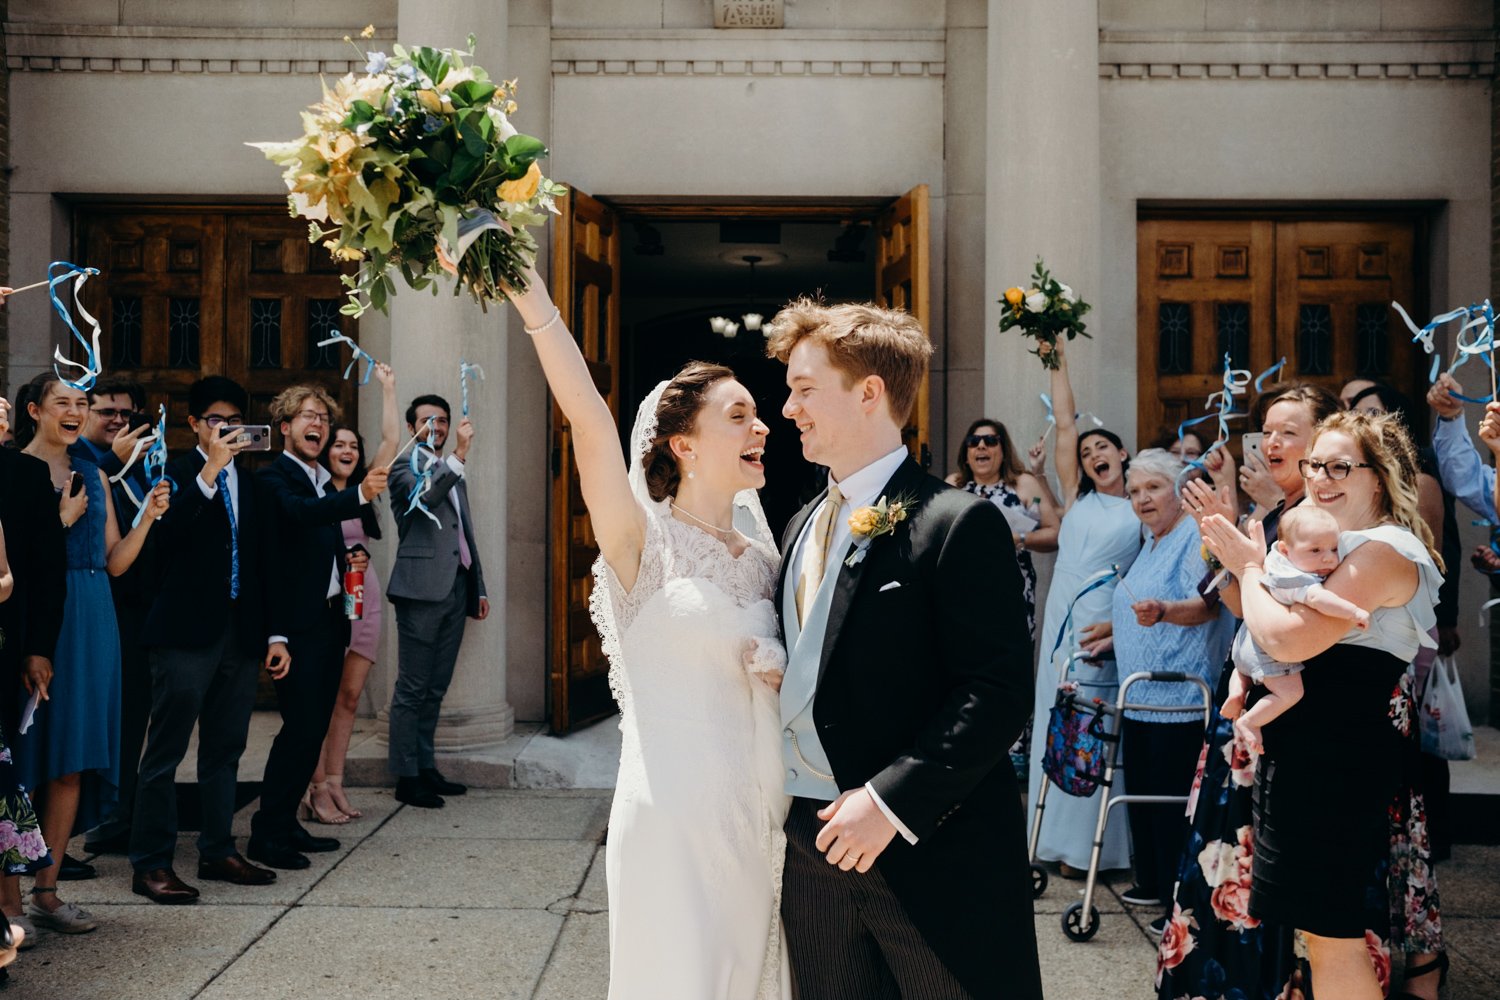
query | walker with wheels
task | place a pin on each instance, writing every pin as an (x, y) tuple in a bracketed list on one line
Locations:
[(1077, 739)]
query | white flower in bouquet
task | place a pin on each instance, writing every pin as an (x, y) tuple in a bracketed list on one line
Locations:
[(1036, 301), (1066, 293)]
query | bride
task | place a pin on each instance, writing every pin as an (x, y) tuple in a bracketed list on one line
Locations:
[(681, 598)]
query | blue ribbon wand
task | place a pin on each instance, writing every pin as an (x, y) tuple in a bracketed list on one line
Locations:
[(467, 371), (58, 272), (359, 355), (423, 471)]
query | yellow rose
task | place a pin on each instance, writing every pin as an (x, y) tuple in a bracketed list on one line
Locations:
[(864, 521), (430, 101), (522, 190), (1014, 296)]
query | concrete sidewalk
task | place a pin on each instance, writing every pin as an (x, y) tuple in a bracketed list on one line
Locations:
[(501, 895)]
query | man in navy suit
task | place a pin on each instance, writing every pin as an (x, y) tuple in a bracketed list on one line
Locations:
[(207, 634), (305, 551)]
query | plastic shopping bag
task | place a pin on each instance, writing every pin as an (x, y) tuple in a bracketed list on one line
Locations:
[(1446, 731)]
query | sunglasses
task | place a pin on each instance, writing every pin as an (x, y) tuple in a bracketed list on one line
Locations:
[(1335, 470), (988, 440)]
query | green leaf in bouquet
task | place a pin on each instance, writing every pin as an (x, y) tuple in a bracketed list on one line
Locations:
[(465, 166), (472, 92), (522, 151)]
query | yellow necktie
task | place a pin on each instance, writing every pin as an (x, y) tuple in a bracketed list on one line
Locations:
[(815, 552)]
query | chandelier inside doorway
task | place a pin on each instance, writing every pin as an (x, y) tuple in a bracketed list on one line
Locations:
[(753, 322)]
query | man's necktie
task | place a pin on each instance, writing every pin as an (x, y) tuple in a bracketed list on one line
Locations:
[(815, 551), (222, 482)]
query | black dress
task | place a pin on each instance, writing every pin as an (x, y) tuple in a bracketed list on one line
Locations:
[(1331, 767)]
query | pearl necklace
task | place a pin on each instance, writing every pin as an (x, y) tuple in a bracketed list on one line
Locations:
[(693, 517)]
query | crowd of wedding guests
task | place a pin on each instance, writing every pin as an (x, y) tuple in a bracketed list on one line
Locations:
[(1312, 813), (135, 612)]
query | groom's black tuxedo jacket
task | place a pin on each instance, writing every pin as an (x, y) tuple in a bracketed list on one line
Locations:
[(922, 689)]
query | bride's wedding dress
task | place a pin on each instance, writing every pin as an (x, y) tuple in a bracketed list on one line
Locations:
[(695, 849)]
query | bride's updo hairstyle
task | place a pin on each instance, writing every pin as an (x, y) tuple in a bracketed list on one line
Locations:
[(677, 413), (1388, 448)]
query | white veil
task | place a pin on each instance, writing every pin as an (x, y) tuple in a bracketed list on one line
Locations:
[(749, 520)]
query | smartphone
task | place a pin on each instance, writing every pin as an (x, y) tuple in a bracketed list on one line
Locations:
[(1252, 442), (75, 485), (135, 419), (257, 436)]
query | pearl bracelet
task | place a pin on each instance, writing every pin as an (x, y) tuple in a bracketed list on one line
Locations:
[(556, 316)]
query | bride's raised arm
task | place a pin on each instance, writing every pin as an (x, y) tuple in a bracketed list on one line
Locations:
[(618, 521)]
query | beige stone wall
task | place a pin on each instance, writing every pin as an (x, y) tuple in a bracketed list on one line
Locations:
[(1293, 15)]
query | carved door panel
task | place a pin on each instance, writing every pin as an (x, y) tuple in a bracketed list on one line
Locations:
[(1205, 288), (188, 293), (586, 287), (283, 298), (159, 298), (1334, 288), (1317, 292), (902, 282)]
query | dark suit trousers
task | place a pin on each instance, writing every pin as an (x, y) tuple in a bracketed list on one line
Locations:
[(305, 697), (430, 634), (135, 711), (215, 684), (847, 934)]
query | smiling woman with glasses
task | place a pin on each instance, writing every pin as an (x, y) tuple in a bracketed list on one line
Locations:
[(1319, 833), (988, 466)]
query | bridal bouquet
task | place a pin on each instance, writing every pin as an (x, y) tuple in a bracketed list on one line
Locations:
[(414, 165), (1044, 311)]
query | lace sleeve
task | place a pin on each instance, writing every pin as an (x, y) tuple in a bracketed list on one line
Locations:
[(612, 607), (762, 651)]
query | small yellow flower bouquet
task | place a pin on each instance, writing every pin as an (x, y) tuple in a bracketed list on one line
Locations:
[(880, 518), (1044, 311), (418, 169)]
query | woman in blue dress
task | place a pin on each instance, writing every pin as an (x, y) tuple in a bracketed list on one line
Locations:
[(70, 756), (1099, 534)]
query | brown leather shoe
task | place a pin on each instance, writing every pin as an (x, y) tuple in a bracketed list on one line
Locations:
[(161, 885), (235, 869)]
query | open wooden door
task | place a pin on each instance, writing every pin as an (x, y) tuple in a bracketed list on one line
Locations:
[(586, 287), (901, 282)]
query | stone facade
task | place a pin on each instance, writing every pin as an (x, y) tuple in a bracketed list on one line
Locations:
[(1040, 126)]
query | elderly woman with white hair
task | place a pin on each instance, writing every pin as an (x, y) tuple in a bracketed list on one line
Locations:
[(1161, 624)]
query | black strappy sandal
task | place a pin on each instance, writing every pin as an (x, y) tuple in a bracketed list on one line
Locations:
[(1418, 971)]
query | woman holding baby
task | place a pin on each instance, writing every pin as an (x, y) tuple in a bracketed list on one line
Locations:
[(1318, 842)]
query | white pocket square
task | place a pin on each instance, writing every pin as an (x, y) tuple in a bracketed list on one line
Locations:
[(890, 586)]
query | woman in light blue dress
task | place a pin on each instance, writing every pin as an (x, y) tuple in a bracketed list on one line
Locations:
[(1099, 532)]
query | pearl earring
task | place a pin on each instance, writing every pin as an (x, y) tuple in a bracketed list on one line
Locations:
[(693, 458)]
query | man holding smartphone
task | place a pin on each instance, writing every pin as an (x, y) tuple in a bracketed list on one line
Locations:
[(207, 633), (306, 548)]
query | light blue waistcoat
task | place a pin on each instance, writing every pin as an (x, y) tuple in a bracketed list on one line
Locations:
[(804, 651)]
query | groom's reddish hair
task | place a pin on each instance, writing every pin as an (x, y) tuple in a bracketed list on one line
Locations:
[(861, 339)]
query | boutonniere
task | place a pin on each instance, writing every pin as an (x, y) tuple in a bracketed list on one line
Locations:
[(880, 518)]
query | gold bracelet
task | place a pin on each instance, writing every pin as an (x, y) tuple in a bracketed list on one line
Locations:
[(556, 315)]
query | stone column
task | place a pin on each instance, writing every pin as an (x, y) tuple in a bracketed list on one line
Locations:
[(1042, 190), (429, 336)]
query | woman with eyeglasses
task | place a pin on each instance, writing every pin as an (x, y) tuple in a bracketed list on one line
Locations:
[(1098, 536), (1320, 835), (988, 466)]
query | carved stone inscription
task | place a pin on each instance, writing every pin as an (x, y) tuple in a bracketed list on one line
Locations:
[(749, 13)]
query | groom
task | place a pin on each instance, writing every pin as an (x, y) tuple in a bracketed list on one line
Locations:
[(909, 677)]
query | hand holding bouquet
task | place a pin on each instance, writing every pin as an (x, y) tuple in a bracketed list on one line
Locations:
[(1045, 310), (417, 167)]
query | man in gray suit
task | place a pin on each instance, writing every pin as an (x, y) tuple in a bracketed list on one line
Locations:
[(436, 583)]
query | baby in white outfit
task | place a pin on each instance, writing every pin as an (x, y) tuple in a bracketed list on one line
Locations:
[(1305, 553)]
